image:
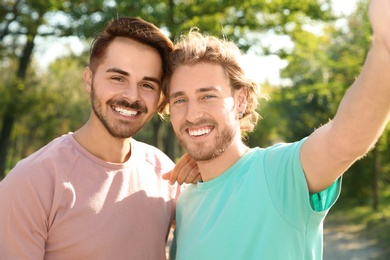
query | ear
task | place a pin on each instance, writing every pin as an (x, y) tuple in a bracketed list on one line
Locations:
[(242, 101), (88, 78)]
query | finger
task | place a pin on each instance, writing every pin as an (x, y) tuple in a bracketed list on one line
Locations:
[(177, 169), (166, 175), (188, 172), (193, 174)]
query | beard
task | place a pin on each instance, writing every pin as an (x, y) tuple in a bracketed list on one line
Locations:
[(121, 129), (205, 151)]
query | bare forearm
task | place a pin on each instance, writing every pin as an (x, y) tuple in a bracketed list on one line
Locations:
[(362, 115)]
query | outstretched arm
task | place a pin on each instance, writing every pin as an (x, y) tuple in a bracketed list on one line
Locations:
[(362, 115)]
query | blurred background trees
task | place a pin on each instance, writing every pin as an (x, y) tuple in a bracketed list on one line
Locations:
[(324, 56)]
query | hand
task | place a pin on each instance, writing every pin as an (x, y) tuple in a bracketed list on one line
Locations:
[(185, 171)]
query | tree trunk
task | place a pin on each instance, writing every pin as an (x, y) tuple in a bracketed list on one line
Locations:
[(12, 108), (5, 137)]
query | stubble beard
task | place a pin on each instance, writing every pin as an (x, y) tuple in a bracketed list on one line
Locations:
[(206, 151), (119, 129)]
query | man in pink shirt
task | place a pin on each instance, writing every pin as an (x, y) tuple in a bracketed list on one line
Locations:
[(97, 193)]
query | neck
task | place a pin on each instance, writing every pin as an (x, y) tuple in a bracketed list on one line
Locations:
[(102, 145), (213, 168)]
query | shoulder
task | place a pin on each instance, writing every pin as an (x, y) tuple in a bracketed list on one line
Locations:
[(282, 162), (283, 150), (58, 154), (40, 175), (275, 153), (151, 155), (58, 147)]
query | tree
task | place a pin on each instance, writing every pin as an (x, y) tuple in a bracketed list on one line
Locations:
[(321, 68), (23, 22), (58, 105), (26, 20)]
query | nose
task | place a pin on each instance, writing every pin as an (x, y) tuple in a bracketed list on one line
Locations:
[(131, 92), (194, 111)]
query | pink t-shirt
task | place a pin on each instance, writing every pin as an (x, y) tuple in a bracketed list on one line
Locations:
[(64, 203)]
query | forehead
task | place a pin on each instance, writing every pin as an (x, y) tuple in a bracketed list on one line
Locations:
[(128, 54), (187, 78)]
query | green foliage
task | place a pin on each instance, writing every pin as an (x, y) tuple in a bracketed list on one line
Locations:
[(227, 18), (266, 132), (57, 105), (24, 20), (321, 69)]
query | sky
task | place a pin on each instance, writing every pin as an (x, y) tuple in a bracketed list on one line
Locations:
[(261, 68)]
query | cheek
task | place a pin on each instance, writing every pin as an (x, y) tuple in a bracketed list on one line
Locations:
[(102, 90), (174, 119), (151, 99)]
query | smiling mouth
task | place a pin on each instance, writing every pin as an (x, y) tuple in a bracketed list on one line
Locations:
[(125, 112), (199, 131)]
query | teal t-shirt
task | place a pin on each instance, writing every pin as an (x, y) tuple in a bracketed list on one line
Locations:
[(260, 208)]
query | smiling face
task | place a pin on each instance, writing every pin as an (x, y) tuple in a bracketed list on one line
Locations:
[(203, 110), (125, 88)]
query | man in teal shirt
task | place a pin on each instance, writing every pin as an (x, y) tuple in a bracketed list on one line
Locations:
[(264, 203), (257, 209)]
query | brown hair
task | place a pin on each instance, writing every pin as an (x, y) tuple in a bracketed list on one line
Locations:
[(196, 48), (135, 29)]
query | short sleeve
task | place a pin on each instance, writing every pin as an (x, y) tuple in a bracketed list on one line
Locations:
[(325, 199)]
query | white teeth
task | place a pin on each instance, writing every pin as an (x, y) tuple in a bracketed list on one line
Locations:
[(125, 112), (199, 132)]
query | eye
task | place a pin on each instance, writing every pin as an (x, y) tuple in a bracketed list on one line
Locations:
[(117, 78), (178, 101), (208, 97), (148, 86)]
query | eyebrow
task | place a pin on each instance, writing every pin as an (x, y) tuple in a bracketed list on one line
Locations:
[(200, 90), (176, 94), (125, 73), (207, 89), (152, 79)]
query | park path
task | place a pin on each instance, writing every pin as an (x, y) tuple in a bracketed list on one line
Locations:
[(342, 242)]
